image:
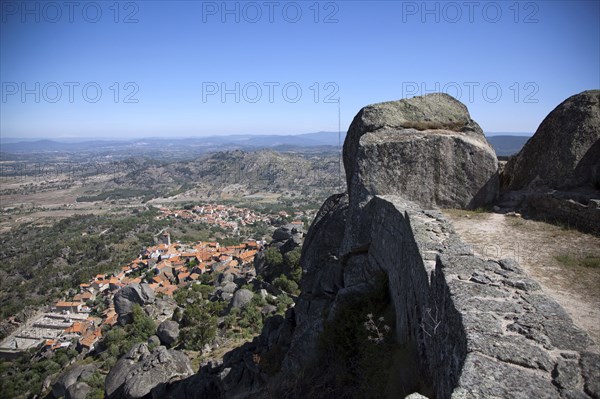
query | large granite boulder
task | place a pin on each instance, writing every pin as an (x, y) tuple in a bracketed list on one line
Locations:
[(283, 233), (564, 152), (141, 373), (130, 295), (168, 332), (241, 298), (426, 149), (79, 390), (286, 232), (70, 377)]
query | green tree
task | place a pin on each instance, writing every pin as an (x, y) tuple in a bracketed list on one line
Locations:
[(292, 260), (142, 326), (286, 285), (199, 325), (273, 256)]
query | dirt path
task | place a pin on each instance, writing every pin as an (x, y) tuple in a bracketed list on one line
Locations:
[(536, 245)]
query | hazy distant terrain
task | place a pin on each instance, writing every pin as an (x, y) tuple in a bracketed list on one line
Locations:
[(186, 148), (507, 145), (174, 148)]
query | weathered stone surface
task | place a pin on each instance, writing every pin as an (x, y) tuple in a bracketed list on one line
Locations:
[(564, 151), (294, 242), (268, 310), (284, 233), (79, 390), (487, 378), (153, 340), (168, 332), (70, 377), (514, 350), (129, 295), (477, 333), (139, 372), (225, 278), (240, 375), (320, 254), (323, 241), (230, 287), (590, 369), (426, 149), (161, 309), (566, 374), (241, 298)]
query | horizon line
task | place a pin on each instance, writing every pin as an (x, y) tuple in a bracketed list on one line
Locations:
[(16, 139)]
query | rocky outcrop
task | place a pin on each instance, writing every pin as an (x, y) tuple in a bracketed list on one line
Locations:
[(482, 328), (245, 370), (478, 328), (241, 298), (161, 309), (285, 239), (141, 373), (321, 280), (70, 378), (556, 176), (566, 208), (79, 390), (426, 149), (168, 332), (130, 295), (564, 152)]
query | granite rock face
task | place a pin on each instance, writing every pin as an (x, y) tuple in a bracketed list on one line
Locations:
[(71, 377), (556, 176), (141, 373), (482, 328), (79, 390), (168, 332), (426, 149), (241, 298), (564, 152), (130, 295)]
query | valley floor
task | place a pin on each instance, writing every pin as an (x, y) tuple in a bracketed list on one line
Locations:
[(565, 262)]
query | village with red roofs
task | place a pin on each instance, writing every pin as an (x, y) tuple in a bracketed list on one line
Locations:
[(166, 267)]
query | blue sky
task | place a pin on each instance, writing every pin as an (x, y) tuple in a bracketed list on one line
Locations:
[(189, 68)]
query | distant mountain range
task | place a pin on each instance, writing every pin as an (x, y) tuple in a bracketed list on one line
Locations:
[(199, 144), (503, 143), (507, 145)]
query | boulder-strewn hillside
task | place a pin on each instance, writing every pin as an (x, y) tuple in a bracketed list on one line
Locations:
[(238, 172)]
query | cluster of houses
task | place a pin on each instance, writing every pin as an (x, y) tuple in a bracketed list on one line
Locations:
[(166, 267), (226, 217)]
